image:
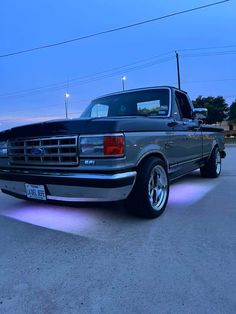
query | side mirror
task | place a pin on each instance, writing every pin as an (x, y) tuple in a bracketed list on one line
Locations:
[(199, 113)]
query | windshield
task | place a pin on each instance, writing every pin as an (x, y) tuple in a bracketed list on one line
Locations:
[(152, 102)]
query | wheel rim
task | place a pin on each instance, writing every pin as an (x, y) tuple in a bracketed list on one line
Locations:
[(218, 162), (158, 187)]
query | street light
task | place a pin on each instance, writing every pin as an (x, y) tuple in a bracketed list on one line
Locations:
[(66, 104), (123, 81)]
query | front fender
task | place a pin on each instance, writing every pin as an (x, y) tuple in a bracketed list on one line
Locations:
[(153, 152)]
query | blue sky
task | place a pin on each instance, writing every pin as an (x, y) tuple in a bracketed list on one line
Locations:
[(26, 24)]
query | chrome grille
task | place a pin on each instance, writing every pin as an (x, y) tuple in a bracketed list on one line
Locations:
[(55, 151)]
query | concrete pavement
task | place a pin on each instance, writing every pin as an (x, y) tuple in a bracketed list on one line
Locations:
[(57, 259)]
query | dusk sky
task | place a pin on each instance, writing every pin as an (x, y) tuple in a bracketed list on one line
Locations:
[(32, 85)]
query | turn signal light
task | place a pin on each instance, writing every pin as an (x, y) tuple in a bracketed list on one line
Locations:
[(114, 145)]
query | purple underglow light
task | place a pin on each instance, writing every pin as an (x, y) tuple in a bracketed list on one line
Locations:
[(66, 219), (89, 222), (189, 192)]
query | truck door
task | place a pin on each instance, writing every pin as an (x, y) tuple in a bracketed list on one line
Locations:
[(186, 137)]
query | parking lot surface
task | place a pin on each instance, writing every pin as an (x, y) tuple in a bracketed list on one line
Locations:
[(98, 259)]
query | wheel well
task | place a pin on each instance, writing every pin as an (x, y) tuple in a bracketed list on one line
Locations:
[(215, 146), (222, 152), (157, 155)]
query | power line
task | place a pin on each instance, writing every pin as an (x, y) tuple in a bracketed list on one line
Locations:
[(77, 79), (206, 48), (138, 65), (127, 65), (188, 82), (79, 112), (207, 54), (61, 116), (112, 30), (88, 79), (210, 81)]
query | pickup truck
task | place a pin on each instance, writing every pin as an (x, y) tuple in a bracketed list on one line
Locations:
[(125, 146)]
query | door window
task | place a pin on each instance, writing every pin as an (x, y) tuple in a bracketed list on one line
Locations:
[(183, 106)]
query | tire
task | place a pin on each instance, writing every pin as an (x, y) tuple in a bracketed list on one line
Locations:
[(150, 193), (212, 168)]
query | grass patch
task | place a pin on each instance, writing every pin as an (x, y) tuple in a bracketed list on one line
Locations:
[(229, 140)]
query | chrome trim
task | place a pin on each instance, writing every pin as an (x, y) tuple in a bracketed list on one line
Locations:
[(55, 151), (90, 176), (187, 161), (102, 134), (90, 194), (73, 193), (199, 113), (173, 166), (78, 199)]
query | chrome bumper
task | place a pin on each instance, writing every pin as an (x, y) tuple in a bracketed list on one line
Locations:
[(71, 187)]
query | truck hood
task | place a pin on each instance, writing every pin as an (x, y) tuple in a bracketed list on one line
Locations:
[(87, 126), (94, 126)]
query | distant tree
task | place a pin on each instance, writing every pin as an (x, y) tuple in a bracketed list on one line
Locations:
[(217, 108), (232, 113)]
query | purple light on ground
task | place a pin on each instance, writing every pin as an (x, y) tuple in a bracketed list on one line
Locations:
[(65, 219), (90, 221), (188, 193)]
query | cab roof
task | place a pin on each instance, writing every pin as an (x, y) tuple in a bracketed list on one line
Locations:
[(140, 89)]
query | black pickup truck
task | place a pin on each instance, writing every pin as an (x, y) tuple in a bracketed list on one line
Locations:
[(126, 146)]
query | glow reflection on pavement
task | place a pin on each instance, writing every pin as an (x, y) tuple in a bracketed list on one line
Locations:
[(188, 193), (66, 219), (90, 220)]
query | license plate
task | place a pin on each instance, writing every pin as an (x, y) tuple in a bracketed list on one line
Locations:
[(36, 192)]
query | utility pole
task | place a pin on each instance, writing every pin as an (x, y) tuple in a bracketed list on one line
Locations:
[(178, 70)]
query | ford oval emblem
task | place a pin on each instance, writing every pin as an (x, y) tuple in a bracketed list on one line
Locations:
[(37, 151)]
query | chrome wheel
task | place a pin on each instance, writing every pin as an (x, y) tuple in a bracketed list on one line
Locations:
[(218, 163), (158, 187), (151, 190)]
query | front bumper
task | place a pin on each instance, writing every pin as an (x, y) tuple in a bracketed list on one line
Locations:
[(72, 187)]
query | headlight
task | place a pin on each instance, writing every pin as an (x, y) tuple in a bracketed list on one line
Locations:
[(91, 146), (3, 149), (102, 145)]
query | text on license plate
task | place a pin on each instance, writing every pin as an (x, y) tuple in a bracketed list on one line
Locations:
[(35, 191)]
